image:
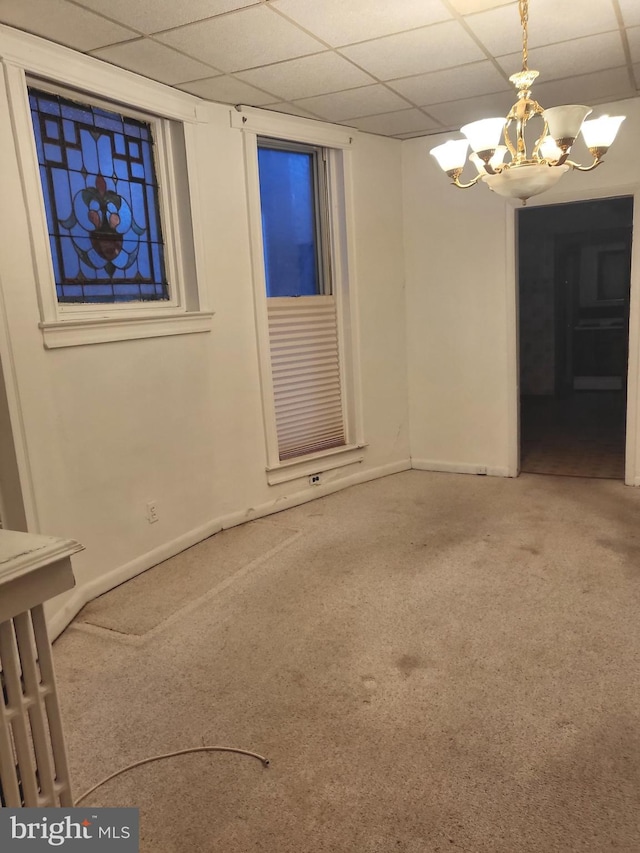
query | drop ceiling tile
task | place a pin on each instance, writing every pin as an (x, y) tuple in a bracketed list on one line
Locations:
[(61, 22), (246, 39), (456, 113), (353, 103), (633, 34), (610, 85), (151, 16), (568, 59), (390, 124), (228, 90), (630, 12), (468, 7), (478, 78), (339, 22), (309, 76), (154, 60), (501, 33), (427, 49)]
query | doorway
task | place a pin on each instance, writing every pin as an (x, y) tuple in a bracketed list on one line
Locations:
[(574, 282)]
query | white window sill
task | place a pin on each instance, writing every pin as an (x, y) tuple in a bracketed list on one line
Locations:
[(79, 332), (317, 463)]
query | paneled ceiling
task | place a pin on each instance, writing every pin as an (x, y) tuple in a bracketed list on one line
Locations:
[(399, 68)]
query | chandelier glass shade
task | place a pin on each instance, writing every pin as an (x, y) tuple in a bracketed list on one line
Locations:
[(511, 161)]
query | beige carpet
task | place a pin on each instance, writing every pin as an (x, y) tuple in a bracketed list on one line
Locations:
[(432, 662)]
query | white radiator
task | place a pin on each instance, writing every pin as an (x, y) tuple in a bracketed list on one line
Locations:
[(33, 762)]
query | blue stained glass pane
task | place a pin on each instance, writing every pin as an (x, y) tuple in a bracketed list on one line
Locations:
[(288, 222), (144, 133), (150, 209), (144, 267), (61, 192), (101, 289), (52, 152), (147, 159), (155, 255), (137, 170), (70, 259), (102, 245), (45, 105), (138, 205), (69, 130), (89, 151), (121, 168), (74, 159), (126, 289), (108, 121), (104, 155), (77, 113), (72, 290)]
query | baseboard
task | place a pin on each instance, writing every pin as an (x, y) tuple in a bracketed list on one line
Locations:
[(458, 468), (83, 594)]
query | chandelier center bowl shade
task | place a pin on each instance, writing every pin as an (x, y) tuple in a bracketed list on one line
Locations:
[(537, 158)]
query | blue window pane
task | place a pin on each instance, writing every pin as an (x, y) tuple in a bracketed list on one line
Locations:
[(70, 133), (74, 159), (46, 105), (121, 168), (104, 155), (288, 222), (104, 221), (53, 153)]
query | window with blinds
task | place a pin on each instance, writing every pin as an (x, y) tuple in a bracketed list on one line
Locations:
[(301, 308)]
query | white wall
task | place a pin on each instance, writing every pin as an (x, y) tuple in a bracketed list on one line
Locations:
[(457, 318), (108, 427), (461, 305)]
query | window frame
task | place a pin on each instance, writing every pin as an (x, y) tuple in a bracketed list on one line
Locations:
[(337, 143), (31, 62), (162, 153)]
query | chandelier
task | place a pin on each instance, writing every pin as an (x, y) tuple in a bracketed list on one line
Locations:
[(525, 175)]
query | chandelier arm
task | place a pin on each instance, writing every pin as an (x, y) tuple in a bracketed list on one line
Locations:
[(455, 175), (597, 161), (536, 147), (507, 139)]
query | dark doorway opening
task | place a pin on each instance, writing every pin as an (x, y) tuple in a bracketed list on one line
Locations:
[(574, 279)]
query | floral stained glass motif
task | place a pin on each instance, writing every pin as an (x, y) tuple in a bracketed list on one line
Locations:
[(101, 200)]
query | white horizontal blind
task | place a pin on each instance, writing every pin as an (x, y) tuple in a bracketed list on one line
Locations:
[(305, 366)]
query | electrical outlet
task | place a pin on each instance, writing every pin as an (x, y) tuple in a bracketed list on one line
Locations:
[(152, 512), (315, 479)]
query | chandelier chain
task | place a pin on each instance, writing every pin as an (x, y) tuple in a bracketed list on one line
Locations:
[(523, 6)]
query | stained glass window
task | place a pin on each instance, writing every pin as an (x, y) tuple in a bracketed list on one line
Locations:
[(101, 200)]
